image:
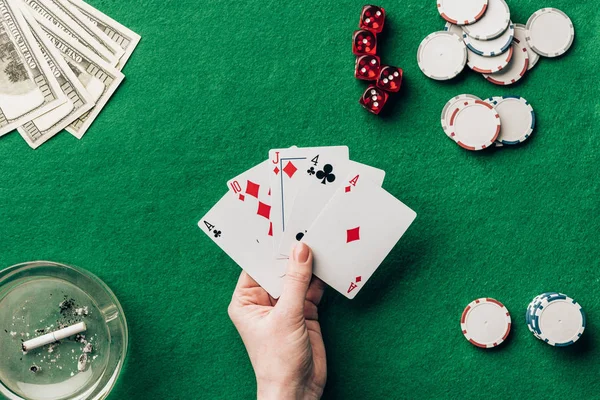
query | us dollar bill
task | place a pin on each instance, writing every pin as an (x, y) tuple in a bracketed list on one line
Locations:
[(99, 78), (79, 101), (86, 34), (119, 34), (28, 88)]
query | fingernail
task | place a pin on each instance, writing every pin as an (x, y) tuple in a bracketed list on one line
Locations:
[(300, 253)]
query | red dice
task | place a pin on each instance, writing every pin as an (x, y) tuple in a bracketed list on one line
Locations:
[(390, 79), (372, 18), (364, 42), (373, 99), (367, 68)]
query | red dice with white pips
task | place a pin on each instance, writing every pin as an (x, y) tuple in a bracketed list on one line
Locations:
[(390, 79), (364, 42), (372, 18), (368, 65), (367, 68), (373, 99)]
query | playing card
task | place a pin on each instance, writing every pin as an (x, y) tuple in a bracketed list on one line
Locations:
[(251, 189), (311, 199), (242, 235), (355, 232), (291, 169)]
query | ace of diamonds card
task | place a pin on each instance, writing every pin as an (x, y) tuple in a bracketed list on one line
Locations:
[(355, 232)]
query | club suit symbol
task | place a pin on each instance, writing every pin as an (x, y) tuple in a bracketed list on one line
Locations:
[(326, 175)]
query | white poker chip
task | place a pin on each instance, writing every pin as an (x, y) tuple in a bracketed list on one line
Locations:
[(450, 27), (550, 32), (560, 321), (488, 65), (492, 47), (492, 24), (485, 323), (515, 70), (442, 55), (474, 124), (518, 119), (520, 37), (462, 12), (450, 105)]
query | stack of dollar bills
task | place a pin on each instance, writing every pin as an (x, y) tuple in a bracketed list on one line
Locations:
[(60, 62)]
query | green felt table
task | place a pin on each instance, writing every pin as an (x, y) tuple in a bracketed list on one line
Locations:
[(211, 88)]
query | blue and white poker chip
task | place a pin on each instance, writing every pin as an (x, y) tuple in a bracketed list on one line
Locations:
[(517, 116), (492, 47), (556, 319)]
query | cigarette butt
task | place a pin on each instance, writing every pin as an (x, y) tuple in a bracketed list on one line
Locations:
[(54, 336)]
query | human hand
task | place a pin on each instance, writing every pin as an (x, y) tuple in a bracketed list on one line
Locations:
[(283, 337)]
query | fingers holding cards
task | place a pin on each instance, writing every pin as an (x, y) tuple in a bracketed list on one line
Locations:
[(317, 196)]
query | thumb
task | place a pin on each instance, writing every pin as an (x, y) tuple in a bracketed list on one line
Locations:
[(297, 279)]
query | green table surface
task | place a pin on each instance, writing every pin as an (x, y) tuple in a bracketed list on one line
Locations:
[(211, 88)]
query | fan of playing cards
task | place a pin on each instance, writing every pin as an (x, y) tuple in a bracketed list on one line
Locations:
[(316, 195), (60, 62)]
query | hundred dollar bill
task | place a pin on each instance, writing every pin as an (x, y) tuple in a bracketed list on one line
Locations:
[(121, 35), (27, 87), (99, 79), (79, 101), (88, 35)]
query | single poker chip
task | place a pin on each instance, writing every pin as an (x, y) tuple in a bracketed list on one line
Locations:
[(492, 24), (450, 105), (521, 38), (461, 12), (550, 32), (474, 124), (560, 321), (485, 323), (489, 65), (492, 47), (442, 55), (518, 119), (515, 70), (450, 27)]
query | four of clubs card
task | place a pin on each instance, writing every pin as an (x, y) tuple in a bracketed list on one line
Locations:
[(316, 195)]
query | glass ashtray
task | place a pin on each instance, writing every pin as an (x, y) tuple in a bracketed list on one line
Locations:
[(40, 298)]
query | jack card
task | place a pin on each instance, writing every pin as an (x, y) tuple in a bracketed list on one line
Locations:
[(293, 168)]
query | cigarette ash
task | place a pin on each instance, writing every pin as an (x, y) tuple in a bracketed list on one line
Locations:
[(70, 313)]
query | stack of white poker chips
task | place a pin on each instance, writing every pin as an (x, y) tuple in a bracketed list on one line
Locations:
[(555, 318), (480, 34), (476, 124)]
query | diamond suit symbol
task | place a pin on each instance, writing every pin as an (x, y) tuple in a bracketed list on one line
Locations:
[(353, 234), (290, 169), (264, 210), (252, 188)]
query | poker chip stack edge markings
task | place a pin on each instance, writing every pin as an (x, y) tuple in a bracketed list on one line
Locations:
[(466, 18)]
